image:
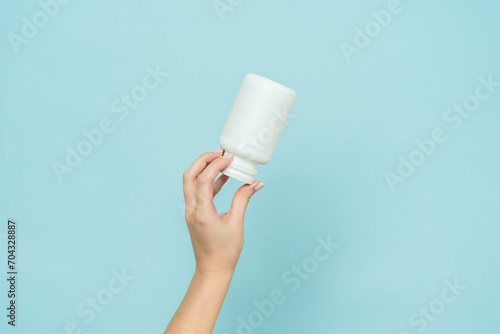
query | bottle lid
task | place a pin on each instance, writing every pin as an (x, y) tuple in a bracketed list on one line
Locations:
[(240, 169)]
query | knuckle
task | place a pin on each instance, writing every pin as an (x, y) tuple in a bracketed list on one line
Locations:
[(203, 179), (191, 219), (188, 212), (246, 196), (199, 217), (204, 156)]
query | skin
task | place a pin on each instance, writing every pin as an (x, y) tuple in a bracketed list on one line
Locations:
[(217, 241)]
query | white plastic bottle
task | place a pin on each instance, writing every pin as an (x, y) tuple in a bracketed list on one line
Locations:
[(254, 125)]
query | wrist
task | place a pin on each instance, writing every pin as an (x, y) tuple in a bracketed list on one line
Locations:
[(210, 275)]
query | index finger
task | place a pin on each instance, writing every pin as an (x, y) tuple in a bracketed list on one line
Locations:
[(204, 183), (191, 174)]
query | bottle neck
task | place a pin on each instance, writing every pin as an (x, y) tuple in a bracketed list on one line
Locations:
[(241, 169)]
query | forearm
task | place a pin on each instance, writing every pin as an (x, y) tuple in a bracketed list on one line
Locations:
[(200, 307), (217, 242)]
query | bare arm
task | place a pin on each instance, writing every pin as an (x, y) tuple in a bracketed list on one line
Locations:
[(217, 243)]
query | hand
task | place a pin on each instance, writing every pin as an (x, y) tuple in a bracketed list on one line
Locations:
[(217, 238), (217, 242)]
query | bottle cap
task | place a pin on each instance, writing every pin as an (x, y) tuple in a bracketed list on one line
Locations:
[(240, 169)]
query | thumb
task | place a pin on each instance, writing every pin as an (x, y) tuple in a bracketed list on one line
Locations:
[(242, 197)]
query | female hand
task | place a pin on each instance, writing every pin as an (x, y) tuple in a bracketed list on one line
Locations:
[(217, 238), (217, 242)]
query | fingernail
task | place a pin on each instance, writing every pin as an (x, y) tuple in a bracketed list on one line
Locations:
[(227, 155), (218, 151), (259, 186)]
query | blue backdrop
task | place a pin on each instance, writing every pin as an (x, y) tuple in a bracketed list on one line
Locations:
[(381, 210)]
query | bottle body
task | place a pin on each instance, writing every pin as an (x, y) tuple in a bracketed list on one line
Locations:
[(254, 125)]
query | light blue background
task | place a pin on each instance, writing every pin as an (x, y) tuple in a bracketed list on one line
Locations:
[(121, 208)]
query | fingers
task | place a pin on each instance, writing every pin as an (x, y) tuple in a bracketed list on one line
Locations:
[(204, 187), (191, 174), (217, 185), (241, 199)]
